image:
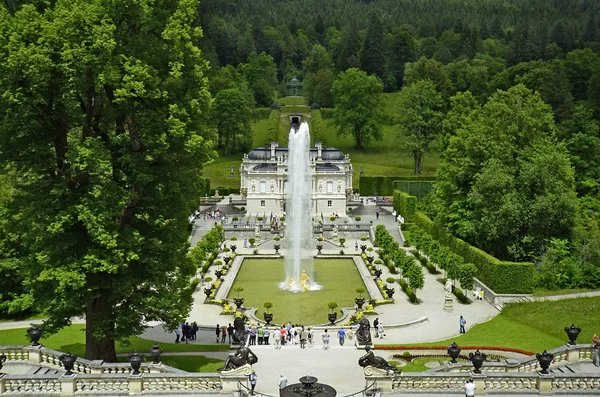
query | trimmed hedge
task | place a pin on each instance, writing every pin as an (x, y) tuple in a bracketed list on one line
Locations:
[(418, 188), (501, 277), (405, 204), (383, 185), (223, 191)]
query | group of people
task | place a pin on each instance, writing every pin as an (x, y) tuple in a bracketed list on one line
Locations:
[(186, 332), (222, 332)]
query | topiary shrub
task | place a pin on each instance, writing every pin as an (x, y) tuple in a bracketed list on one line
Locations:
[(233, 239), (260, 218), (378, 261), (235, 219), (358, 219), (332, 218), (276, 238), (208, 279), (363, 239)]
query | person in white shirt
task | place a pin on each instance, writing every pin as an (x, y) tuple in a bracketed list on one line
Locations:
[(380, 330), (282, 382), (293, 335), (469, 388), (325, 338)]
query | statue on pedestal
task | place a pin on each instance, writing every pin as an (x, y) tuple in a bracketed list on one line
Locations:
[(241, 357), (448, 288), (335, 231), (363, 335), (257, 231), (375, 361)]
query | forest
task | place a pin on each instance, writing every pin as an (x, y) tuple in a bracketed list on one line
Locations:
[(111, 109)]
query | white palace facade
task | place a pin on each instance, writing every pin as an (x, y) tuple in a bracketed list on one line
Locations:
[(264, 173)]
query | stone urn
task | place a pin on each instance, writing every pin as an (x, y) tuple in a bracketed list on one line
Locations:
[(332, 317), (226, 260), (219, 274), (319, 248), (276, 246), (207, 291), (453, 352), (233, 248), (238, 302), (363, 248), (359, 303), (136, 359), (572, 333), (68, 361), (35, 333), (545, 359), (2, 360), (268, 317), (370, 259), (155, 352), (378, 273), (477, 360)]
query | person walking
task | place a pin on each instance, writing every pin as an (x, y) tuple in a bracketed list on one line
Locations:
[(292, 335), (194, 330), (303, 338), (252, 378), (245, 243), (223, 334), (311, 334), (218, 332), (325, 338), (375, 324), (253, 335), (596, 340), (277, 339), (469, 388), (341, 336), (282, 382), (177, 333), (284, 334), (230, 330), (380, 330), (462, 323), (356, 245)]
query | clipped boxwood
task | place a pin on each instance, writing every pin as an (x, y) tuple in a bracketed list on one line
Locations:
[(358, 219), (405, 204)]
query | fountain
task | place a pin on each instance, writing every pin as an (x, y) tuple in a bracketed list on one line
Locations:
[(298, 261)]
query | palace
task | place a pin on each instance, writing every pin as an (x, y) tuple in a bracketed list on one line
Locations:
[(264, 174)]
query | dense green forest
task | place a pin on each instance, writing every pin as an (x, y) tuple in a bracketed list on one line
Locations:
[(110, 109)]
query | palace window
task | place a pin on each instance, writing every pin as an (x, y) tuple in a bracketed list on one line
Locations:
[(262, 203), (329, 203), (263, 187), (329, 187)]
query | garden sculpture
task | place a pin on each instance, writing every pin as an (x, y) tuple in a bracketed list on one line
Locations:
[(241, 357), (363, 335), (375, 361), (239, 331)]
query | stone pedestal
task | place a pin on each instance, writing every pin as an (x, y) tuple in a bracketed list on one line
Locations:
[(2, 386), (135, 384), (384, 378), (572, 353), (448, 305), (479, 381), (544, 383), (35, 354), (67, 385), (155, 368), (230, 379)]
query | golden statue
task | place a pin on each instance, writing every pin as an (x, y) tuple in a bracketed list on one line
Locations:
[(290, 283), (305, 281)]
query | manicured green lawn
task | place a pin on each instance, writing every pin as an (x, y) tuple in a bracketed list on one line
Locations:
[(187, 363), (297, 100), (535, 326), (72, 339), (261, 277)]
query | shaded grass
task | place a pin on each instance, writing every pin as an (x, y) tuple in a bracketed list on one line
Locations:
[(72, 339), (261, 277), (297, 100), (418, 364), (545, 292), (534, 326), (186, 363), (23, 317)]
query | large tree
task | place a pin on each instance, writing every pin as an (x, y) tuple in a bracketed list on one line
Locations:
[(230, 114), (419, 119), (358, 106), (373, 56), (103, 107)]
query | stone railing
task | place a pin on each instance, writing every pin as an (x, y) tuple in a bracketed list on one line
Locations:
[(511, 376)]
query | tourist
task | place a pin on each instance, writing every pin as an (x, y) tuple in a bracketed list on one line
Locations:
[(356, 245), (376, 214), (596, 340), (253, 335), (178, 333), (375, 324), (283, 333), (282, 382), (186, 331), (223, 334), (341, 336), (311, 334), (245, 243), (469, 388), (266, 336), (292, 335), (252, 378), (462, 323), (325, 338), (350, 334), (476, 293), (303, 338), (260, 332), (194, 330), (277, 339), (380, 330), (230, 330), (218, 332)]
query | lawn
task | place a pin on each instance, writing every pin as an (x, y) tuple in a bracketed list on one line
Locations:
[(72, 339), (187, 363), (534, 326), (261, 277)]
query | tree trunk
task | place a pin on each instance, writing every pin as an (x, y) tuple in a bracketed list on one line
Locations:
[(99, 348), (358, 136), (417, 160)]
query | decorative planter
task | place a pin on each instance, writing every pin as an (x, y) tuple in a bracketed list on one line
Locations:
[(332, 317), (268, 317), (545, 359), (35, 333), (155, 352), (218, 273), (363, 248), (453, 352), (370, 259), (238, 302), (227, 259), (136, 359), (276, 246), (207, 291), (319, 248), (68, 361), (572, 333), (378, 273), (390, 291), (359, 302), (477, 360), (233, 248)]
